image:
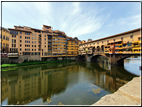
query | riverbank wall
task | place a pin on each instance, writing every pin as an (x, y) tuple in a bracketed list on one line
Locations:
[(28, 58), (129, 94)]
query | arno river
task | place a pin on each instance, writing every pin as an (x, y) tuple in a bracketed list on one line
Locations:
[(75, 83)]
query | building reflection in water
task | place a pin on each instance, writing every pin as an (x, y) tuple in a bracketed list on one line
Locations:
[(27, 84)]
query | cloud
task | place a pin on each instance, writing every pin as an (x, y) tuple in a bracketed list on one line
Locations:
[(76, 6), (77, 19)]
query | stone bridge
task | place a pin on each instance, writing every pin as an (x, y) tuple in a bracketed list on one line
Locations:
[(115, 59)]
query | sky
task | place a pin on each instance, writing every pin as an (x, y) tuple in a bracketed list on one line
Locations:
[(84, 20)]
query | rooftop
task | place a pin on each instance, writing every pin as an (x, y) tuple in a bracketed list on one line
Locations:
[(138, 29)]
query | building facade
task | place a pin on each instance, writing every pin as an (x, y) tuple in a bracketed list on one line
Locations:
[(123, 43), (4, 42), (72, 46), (43, 42)]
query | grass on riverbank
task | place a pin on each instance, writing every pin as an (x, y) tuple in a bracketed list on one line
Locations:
[(34, 63)]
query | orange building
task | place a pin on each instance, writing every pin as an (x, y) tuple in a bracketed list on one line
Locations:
[(43, 42), (4, 42)]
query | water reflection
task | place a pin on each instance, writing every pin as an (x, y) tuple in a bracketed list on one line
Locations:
[(133, 65), (70, 83)]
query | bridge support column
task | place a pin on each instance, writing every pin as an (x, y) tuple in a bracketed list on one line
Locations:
[(88, 57), (116, 60)]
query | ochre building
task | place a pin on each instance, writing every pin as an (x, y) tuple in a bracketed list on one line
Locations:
[(4, 42), (124, 43), (44, 42)]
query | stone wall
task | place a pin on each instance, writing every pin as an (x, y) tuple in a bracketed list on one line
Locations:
[(129, 94), (21, 58), (28, 58)]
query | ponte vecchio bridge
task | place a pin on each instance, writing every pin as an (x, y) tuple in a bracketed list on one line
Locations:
[(116, 48)]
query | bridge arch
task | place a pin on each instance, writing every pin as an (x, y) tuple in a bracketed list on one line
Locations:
[(98, 48), (120, 60), (102, 48), (117, 59), (93, 49), (95, 58)]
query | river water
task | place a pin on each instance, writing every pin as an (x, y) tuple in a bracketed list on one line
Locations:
[(75, 83)]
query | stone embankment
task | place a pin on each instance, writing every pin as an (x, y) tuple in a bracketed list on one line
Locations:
[(129, 94)]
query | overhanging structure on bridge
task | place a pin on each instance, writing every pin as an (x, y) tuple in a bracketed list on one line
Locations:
[(116, 47)]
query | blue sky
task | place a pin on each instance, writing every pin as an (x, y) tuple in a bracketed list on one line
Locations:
[(77, 19)]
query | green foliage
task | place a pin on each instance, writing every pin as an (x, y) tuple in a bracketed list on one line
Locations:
[(31, 62)]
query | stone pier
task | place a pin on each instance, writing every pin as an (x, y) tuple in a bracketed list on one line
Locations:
[(129, 94)]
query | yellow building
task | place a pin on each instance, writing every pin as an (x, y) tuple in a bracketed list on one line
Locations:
[(72, 46), (4, 40), (43, 42), (126, 42)]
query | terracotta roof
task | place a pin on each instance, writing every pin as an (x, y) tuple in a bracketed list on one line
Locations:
[(18, 26), (114, 35), (4, 29), (19, 30)]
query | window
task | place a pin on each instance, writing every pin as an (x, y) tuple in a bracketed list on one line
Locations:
[(3, 45), (32, 45), (107, 40), (14, 36), (3, 36), (14, 41), (20, 40), (113, 39), (102, 41), (20, 36), (20, 45), (14, 45), (27, 33), (131, 36), (45, 39), (20, 32), (20, 49), (7, 45), (45, 35), (13, 32), (121, 38)]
